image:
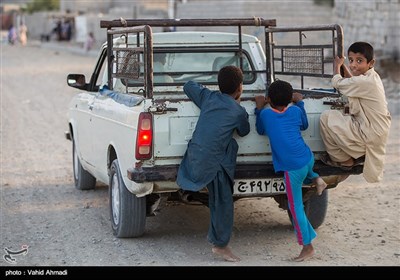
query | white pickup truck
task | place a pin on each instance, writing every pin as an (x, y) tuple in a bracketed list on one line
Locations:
[(131, 121)]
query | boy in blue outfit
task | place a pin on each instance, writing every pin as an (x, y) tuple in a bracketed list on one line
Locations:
[(290, 154), (210, 158)]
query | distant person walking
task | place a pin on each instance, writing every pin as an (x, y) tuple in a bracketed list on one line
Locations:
[(23, 30), (12, 35), (90, 40), (58, 30), (66, 30)]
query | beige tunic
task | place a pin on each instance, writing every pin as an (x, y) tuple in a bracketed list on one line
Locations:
[(365, 130), (22, 34)]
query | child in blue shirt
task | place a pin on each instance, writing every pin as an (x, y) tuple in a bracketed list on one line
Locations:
[(283, 123)]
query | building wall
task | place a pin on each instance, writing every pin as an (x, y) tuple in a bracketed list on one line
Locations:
[(104, 6), (374, 21), (298, 12), (85, 6), (287, 13)]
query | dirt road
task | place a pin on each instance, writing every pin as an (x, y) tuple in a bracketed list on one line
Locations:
[(62, 226)]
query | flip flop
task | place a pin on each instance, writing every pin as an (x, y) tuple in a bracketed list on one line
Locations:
[(359, 161), (327, 161)]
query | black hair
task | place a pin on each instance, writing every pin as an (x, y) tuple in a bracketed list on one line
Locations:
[(229, 79), (280, 93), (363, 48)]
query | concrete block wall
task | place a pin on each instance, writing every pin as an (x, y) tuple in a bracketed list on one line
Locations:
[(374, 21), (287, 13)]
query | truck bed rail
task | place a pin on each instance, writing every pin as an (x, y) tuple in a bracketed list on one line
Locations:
[(255, 21)]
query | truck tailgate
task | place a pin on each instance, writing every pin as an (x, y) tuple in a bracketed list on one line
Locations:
[(175, 129)]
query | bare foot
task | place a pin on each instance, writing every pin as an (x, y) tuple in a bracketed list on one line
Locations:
[(321, 185), (226, 253), (306, 253)]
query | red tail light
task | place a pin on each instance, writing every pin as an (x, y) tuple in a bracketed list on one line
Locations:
[(144, 139)]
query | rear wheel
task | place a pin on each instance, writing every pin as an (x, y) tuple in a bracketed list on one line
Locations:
[(83, 180), (315, 207), (128, 212)]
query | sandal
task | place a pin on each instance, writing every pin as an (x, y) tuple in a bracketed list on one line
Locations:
[(327, 161), (359, 161)]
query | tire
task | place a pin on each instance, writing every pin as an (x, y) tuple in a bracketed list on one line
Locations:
[(83, 180), (127, 211), (315, 207)]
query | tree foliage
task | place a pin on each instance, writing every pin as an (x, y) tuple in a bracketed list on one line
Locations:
[(43, 5)]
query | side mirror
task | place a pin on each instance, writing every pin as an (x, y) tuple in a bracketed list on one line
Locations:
[(77, 81)]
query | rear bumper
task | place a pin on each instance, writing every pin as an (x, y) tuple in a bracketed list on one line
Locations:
[(153, 174), (243, 171)]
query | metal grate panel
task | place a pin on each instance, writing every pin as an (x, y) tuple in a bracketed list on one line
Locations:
[(302, 60), (127, 64)]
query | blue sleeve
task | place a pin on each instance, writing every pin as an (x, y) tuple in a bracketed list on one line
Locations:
[(259, 123), (196, 92), (244, 126), (303, 115)]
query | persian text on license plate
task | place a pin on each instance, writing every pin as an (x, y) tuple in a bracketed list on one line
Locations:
[(259, 186)]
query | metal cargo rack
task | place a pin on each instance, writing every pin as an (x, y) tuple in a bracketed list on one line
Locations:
[(295, 59), (300, 59), (127, 60)]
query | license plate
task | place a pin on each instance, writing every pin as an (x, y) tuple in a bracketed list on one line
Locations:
[(259, 186)]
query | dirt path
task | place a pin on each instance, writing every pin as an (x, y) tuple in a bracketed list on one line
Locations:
[(65, 227)]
